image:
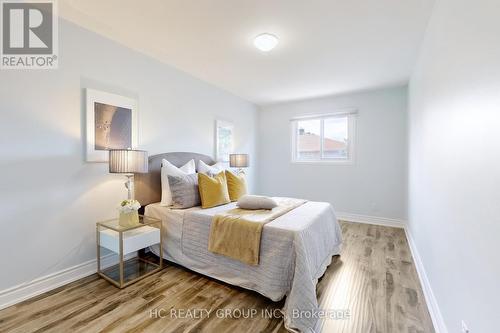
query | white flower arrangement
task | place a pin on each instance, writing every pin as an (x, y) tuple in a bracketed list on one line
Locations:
[(128, 206)]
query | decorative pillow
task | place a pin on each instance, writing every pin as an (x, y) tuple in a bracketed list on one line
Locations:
[(254, 202), (236, 185), (213, 190), (210, 169), (168, 169), (184, 190)]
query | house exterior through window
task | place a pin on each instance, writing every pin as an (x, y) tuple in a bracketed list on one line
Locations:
[(327, 138)]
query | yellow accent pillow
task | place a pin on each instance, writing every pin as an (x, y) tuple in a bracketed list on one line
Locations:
[(213, 190), (236, 185)]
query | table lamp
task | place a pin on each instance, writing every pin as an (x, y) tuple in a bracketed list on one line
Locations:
[(239, 161), (128, 162)]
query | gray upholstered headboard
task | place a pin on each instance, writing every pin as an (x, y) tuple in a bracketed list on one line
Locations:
[(148, 185)]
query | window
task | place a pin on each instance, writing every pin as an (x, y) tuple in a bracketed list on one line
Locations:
[(327, 138)]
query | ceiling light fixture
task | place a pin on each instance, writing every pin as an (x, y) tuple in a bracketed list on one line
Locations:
[(265, 42)]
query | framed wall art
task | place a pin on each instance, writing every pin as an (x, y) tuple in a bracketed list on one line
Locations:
[(111, 124), (223, 140)]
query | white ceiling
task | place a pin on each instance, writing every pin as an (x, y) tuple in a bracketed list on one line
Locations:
[(326, 46)]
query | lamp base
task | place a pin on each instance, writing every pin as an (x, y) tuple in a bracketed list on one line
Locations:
[(129, 185)]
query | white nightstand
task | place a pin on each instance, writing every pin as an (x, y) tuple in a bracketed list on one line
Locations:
[(114, 240)]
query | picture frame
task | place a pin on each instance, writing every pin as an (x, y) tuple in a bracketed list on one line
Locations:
[(112, 123), (223, 140)]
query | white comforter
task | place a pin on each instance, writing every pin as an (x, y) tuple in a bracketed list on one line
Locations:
[(295, 250)]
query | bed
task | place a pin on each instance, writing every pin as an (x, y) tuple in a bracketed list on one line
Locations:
[(296, 248)]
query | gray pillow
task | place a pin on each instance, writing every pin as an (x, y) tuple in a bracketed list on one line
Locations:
[(256, 202), (184, 190)]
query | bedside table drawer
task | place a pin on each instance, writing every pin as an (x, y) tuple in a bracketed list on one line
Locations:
[(133, 240)]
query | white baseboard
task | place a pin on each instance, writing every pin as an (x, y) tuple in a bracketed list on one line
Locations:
[(384, 221), (52, 281), (430, 299), (46, 283)]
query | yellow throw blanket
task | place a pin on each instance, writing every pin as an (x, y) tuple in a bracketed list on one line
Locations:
[(236, 233)]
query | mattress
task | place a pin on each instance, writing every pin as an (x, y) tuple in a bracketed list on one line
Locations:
[(266, 278), (295, 250), (172, 230)]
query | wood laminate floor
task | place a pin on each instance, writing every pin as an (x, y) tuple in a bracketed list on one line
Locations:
[(374, 279)]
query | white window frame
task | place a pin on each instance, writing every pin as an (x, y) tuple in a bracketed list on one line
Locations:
[(351, 130)]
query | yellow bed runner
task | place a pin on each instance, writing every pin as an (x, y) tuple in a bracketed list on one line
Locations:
[(236, 233)]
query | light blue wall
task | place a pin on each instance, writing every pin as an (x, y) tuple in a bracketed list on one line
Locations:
[(454, 161), (374, 185), (50, 198)]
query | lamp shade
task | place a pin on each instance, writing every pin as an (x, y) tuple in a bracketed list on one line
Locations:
[(128, 161), (239, 160)]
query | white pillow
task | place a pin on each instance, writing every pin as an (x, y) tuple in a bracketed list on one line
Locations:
[(168, 169), (210, 169), (249, 201)]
